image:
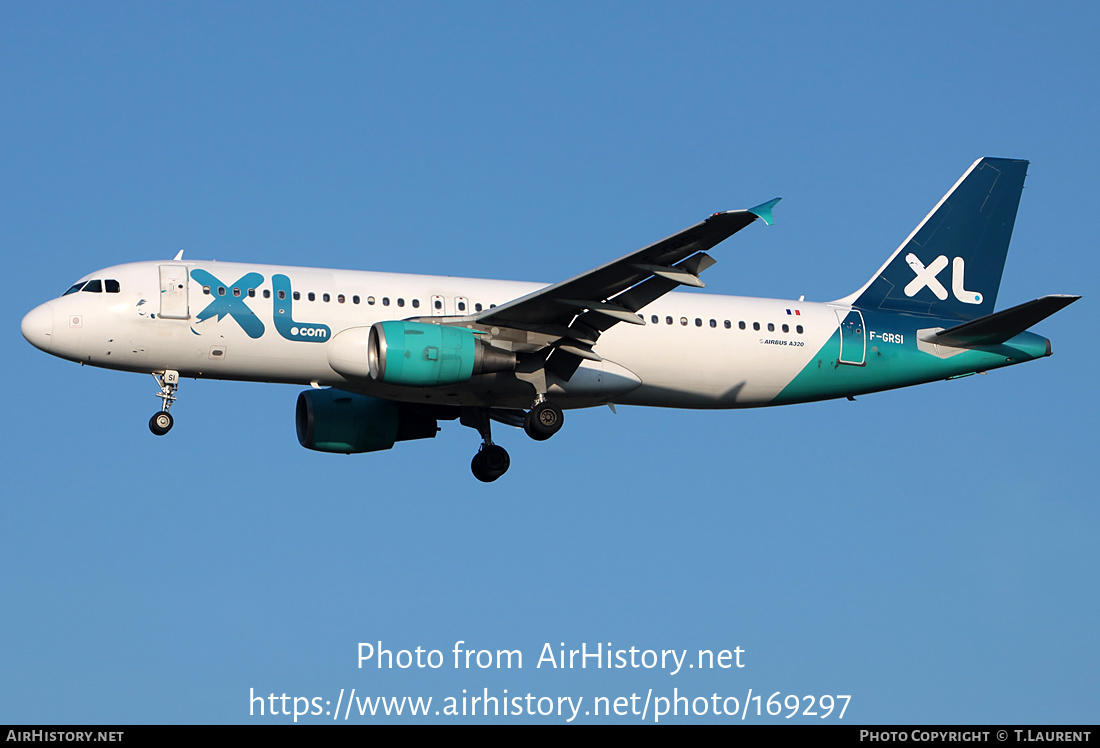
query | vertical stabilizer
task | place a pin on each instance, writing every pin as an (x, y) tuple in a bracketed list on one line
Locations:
[(950, 266)]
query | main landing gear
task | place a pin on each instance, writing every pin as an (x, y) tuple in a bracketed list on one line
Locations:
[(492, 461), (543, 420), (161, 422)]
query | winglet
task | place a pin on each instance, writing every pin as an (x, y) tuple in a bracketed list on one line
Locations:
[(764, 211)]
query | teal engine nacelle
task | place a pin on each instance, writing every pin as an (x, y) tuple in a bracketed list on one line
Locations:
[(337, 421), (417, 354)]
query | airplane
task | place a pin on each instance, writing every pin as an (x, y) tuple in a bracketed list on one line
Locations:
[(387, 356)]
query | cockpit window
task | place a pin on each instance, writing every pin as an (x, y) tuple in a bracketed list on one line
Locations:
[(93, 286), (111, 285), (76, 287)]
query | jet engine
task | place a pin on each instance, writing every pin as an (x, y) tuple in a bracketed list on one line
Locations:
[(425, 355), (337, 421)]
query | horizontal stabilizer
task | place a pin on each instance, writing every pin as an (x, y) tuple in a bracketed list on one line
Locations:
[(1004, 325)]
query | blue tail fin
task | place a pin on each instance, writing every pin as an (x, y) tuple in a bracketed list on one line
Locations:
[(950, 266)]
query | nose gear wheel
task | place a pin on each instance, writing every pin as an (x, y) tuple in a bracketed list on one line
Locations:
[(161, 422)]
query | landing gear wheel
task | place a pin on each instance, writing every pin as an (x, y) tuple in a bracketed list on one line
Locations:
[(161, 423), (543, 421), (169, 381), (490, 463)]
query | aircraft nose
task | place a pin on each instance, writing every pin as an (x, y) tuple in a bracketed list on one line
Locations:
[(37, 327)]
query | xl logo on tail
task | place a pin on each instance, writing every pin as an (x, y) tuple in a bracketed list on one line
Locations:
[(926, 277)]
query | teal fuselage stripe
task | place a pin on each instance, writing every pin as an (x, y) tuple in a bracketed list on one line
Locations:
[(890, 364)]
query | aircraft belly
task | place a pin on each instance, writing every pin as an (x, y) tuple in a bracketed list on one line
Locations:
[(497, 390), (595, 383)]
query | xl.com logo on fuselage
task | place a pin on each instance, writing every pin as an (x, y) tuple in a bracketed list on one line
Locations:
[(313, 331), (235, 306)]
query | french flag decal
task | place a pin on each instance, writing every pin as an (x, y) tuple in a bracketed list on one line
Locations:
[(795, 313)]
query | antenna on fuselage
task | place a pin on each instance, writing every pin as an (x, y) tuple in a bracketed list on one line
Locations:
[(179, 256)]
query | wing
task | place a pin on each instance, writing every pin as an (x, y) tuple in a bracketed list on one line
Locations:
[(570, 316)]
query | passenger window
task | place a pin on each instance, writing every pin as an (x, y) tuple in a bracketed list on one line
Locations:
[(653, 319), (400, 302), (786, 328), (477, 307), (326, 297), (76, 287), (698, 322), (111, 286), (740, 325), (354, 299), (756, 326), (771, 327), (297, 295), (370, 300), (237, 292), (416, 303), (727, 324), (282, 295), (312, 296), (462, 306), (340, 299), (206, 290), (714, 323), (668, 320), (221, 290), (438, 304), (267, 294), (385, 301), (684, 321), (798, 329), (252, 293)]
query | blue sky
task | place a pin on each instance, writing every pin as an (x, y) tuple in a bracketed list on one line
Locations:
[(930, 551)]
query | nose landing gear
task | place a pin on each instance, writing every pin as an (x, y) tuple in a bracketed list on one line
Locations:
[(161, 422)]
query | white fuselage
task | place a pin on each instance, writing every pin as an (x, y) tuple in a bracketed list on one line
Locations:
[(695, 350)]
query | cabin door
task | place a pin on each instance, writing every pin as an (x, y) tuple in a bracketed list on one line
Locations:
[(173, 292), (853, 338)]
